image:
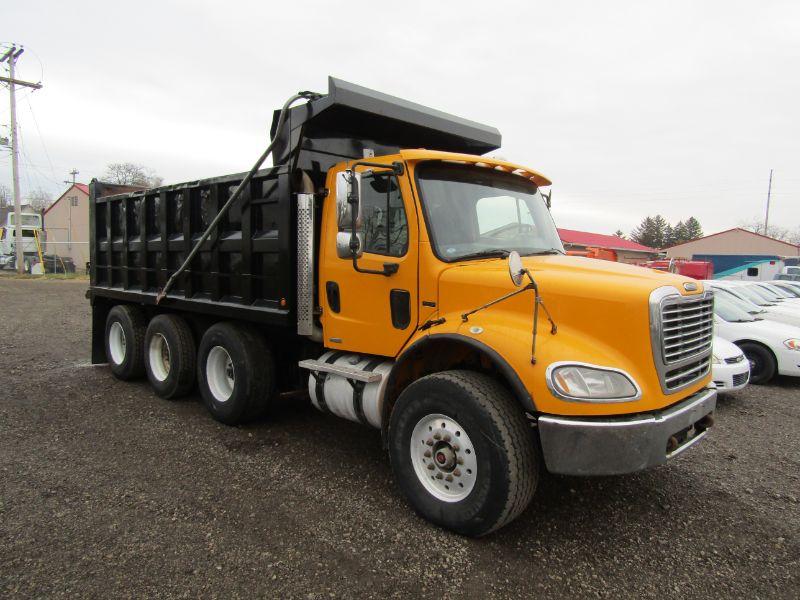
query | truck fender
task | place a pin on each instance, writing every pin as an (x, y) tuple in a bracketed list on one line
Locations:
[(428, 344)]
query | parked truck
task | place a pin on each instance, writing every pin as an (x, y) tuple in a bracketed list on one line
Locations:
[(410, 283), (32, 236)]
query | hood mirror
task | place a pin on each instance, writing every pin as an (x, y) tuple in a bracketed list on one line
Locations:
[(515, 268)]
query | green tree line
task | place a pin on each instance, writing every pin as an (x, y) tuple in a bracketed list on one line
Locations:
[(656, 232)]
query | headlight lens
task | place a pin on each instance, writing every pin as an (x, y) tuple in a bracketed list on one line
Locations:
[(792, 344), (592, 384), (715, 359)]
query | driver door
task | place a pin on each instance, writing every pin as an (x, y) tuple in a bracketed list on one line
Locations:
[(365, 312)]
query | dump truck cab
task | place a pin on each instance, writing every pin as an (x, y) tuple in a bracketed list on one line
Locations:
[(411, 283)]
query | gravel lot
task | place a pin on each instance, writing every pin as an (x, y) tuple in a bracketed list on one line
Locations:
[(107, 490)]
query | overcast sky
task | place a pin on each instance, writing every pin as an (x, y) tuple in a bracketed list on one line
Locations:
[(631, 108)]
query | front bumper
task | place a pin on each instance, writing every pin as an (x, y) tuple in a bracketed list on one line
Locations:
[(617, 445), (731, 377)]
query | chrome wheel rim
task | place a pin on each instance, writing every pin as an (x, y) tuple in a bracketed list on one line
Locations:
[(159, 357), (444, 458), (220, 374), (116, 342)]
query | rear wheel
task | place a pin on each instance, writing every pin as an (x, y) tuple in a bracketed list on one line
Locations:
[(463, 452), (125, 330), (170, 356), (762, 363), (235, 373)]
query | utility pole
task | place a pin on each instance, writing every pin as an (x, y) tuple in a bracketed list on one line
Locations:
[(73, 173), (12, 56), (769, 193)]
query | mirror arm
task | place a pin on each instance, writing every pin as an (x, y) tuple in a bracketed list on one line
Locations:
[(465, 316), (388, 268)]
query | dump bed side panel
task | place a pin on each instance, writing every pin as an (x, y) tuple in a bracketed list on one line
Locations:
[(244, 270)]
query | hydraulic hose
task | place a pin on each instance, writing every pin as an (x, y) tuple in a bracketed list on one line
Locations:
[(237, 192)]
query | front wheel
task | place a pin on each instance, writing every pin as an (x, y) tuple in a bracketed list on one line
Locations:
[(463, 452)]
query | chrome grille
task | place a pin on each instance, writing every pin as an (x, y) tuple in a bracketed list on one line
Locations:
[(682, 329), (687, 328)]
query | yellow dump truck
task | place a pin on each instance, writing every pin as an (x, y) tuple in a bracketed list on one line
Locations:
[(423, 292)]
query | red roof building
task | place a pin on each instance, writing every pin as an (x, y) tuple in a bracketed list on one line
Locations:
[(617, 248)]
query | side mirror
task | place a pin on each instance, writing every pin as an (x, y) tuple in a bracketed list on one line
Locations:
[(515, 268), (348, 186), (343, 249)]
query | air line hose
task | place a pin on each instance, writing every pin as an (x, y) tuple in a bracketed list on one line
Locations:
[(238, 192)]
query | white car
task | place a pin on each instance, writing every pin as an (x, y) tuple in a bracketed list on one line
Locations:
[(771, 348), (771, 312), (792, 287), (730, 370)]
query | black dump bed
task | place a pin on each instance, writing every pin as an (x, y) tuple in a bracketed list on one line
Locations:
[(247, 268)]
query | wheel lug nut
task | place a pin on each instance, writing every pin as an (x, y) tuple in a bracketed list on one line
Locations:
[(456, 447), (427, 454), (457, 473), (449, 478), (460, 460), (430, 467), (438, 476), (437, 436), (446, 437), (429, 442)]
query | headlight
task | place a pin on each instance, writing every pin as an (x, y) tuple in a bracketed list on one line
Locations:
[(792, 344), (715, 359), (591, 384)]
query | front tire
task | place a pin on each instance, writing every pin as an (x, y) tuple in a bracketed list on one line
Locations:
[(125, 329), (235, 373), (463, 452), (170, 355), (762, 363)]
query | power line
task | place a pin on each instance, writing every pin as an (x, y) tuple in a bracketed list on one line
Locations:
[(41, 138)]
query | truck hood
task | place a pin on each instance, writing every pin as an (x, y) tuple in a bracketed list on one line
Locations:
[(587, 279), (601, 309)]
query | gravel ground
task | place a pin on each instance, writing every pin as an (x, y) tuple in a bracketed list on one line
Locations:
[(107, 490)]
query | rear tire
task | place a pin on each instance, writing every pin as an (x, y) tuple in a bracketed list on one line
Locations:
[(463, 452), (125, 330), (235, 373), (762, 363), (170, 355)]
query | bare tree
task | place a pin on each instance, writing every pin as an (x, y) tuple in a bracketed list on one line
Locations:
[(779, 233), (5, 196), (39, 199), (126, 173)]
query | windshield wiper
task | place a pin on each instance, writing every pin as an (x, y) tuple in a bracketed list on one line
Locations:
[(494, 253), (543, 252)]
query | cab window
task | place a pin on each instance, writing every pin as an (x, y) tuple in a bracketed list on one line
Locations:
[(384, 221)]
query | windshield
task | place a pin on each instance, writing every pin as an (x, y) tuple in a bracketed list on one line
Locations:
[(741, 303), (748, 294), (728, 311), (779, 292), (790, 289), (475, 211), (763, 293)]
